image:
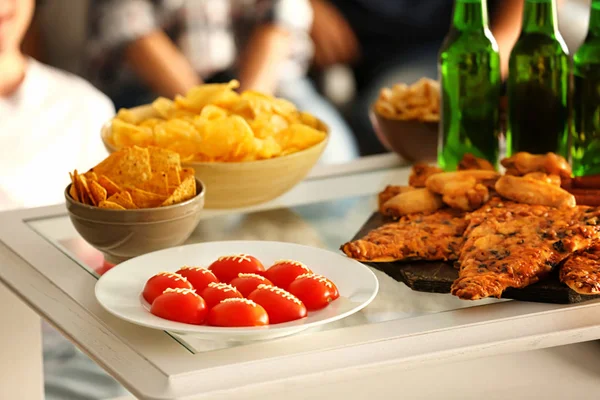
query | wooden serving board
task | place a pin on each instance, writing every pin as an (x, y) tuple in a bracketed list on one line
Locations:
[(437, 277)]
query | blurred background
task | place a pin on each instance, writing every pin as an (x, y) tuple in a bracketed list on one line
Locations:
[(340, 70)]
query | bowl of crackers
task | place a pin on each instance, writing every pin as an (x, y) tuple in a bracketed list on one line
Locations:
[(248, 148), (406, 119), (135, 201)]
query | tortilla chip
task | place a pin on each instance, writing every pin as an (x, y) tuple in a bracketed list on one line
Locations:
[(158, 183), (97, 191), (91, 176), (110, 205), (127, 167), (144, 199), (123, 199), (173, 176), (184, 192), (110, 186), (185, 172), (73, 189), (84, 190)]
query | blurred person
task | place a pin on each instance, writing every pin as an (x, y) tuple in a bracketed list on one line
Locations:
[(140, 49), (49, 124), (391, 41)]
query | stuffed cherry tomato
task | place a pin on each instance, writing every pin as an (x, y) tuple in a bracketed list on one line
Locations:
[(156, 285), (315, 291), (283, 272), (227, 268), (217, 292), (246, 283), (199, 277), (281, 306), (236, 312), (181, 305)]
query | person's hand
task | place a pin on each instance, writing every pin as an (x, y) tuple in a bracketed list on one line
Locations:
[(333, 38)]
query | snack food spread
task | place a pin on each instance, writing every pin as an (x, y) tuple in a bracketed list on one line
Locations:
[(213, 122), (133, 178)]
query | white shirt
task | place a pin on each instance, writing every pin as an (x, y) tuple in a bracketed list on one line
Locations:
[(48, 127)]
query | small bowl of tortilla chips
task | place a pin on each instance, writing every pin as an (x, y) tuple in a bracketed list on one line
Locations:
[(248, 148), (406, 119), (135, 201)]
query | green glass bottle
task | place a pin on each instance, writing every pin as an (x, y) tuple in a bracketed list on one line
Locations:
[(538, 84), (585, 148), (469, 69)]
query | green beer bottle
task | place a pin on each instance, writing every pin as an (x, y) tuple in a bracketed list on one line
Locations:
[(585, 149), (538, 84), (469, 69)]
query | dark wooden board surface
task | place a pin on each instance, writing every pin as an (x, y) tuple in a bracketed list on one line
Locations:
[(437, 277)]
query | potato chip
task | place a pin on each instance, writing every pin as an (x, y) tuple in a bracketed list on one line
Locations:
[(420, 101), (110, 186), (110, 205), (298, 136), (183, 192), (98, 193), (123, 199), (213, 123), (144, 199)]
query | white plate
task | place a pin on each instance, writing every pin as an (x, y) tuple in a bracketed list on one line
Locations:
[(118, 290)]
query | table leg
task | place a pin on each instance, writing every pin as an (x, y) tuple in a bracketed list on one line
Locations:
[(21, 367)]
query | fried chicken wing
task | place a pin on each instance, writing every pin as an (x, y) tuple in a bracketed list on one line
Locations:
[(581, 271), (463, 190), (420, 173), (523, 163), (438, 236), (469, 161), (389, 192), (542, 176), (533, 191), (515, 245), (411, 202)]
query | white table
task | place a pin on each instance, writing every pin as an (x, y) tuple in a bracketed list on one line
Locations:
[(45, 263)]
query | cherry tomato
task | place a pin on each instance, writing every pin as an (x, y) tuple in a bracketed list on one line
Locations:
[(281, 306), (227, 268), (315, 291), (162, 281), (199, 277), (181, 305), (283, 272), (237, 312), (246, 283), (217, 292)]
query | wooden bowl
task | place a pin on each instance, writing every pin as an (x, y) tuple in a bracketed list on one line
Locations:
[(413, 140), (124, 234), (242, 184)]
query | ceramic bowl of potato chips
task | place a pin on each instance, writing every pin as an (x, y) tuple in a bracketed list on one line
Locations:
[(126, 207), (406, 119), (247, 148)]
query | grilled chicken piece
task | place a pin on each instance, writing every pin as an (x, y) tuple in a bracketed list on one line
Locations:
[(469, 161), (533, 191), (463, 190), (515, 245), (523, 163), (437, 236), (420, 173), (581, 271), (389, 192), (412, 202)]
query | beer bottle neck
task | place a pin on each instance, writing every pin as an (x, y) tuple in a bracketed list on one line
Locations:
[(470, 15), (539, 16), (594, 29)]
